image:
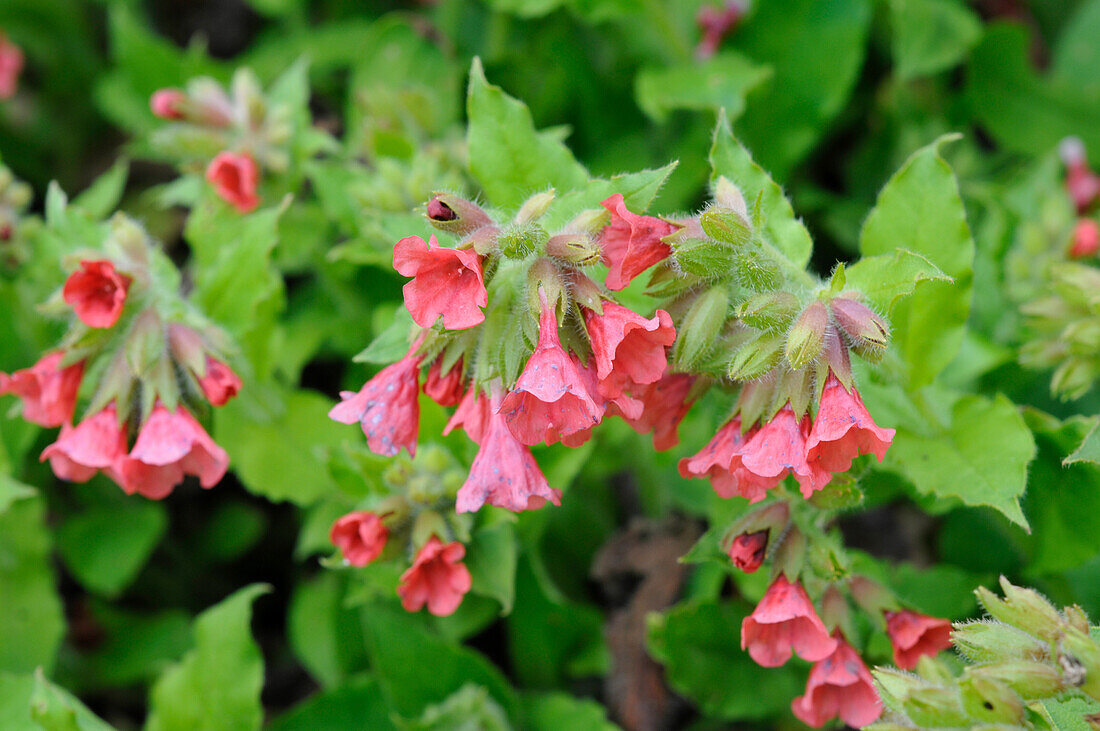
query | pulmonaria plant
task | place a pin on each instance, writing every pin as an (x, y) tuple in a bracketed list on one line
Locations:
[(145, 363), (11, 65)]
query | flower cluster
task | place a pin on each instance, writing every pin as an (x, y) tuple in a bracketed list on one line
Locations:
[(147, 363)]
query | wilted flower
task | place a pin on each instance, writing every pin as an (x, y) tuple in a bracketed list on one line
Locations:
[(219, 383), (445, 390)]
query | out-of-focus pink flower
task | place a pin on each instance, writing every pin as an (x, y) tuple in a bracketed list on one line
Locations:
[(783, 621), (472, 415), (840, 686), (747, 550), (1086, 239), (445, 390), (97, 443), (96, 292), (631, 243), (715, 24), (629, 349), (360, 536), (446, 283), (47, 390), (220, 382), (721, 462), (169, 446), (842, 431), (167, 103), (235, 178), (386, 407), (664, 405), (551, 399), (914, 635), (778, 448), (437, 578), (11, 65)]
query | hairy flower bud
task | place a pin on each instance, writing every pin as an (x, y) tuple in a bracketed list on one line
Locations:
[(989, 700), (757, 268), (456, 215), (534, 208), (1082, 653), (1023, 608), (519, 242), (747, 550), (726, 225), (986, 641), (932, 707), (866, 331), (700, 327), (1028, 678), (575, 248), (756, 357), (806, 337), (769, 310)]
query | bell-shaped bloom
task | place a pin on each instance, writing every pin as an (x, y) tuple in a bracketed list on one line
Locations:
[(360, 536), (446, 283), (1083, 186), (551, 398), (235, 178), (747, 550), (97, 443), (96, 292), (472, 415), (629, 350), (437, 578), (840, 686), (169, 446), (219, 383), (778, 448), (785, 621), (167, 103), (11, 64), (842, 431), (47, 390), (386, 408), (1086, 239), (448, 389), (504, 474), (914, 635), (721, 462), (665, 403), (631, 243)]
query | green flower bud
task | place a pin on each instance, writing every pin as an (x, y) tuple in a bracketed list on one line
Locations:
[(769, 310), (726, 225), (703, 257), (932, 707), (988, 700), (575, 248), (534, 208), (806, 337), (756, 357), (757, 269), (988, 641), (842, 493), (519, 242), (1080, 658), (1023, 608), (700, 327), (1073, 378), (427, 524), (1028, 678)]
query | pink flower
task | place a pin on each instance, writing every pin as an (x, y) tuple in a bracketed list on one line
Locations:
[(96, 292), (167, 103), (360, 536), (437, 578), (386, 407), (840, 686), (220, 382), (914, 635), (235, 178), (551, 399), (446, 283), (631, 243), (97, 443), (472, 415), (747, 550), (783, 621), (629, 349), (504, 474), (169, 446), (445, 390), (778, 448), (1086, 239), (664, 405), (48, 391), (1082, 185), (11, 64), (721, 461), (842, 431), (715, 24)]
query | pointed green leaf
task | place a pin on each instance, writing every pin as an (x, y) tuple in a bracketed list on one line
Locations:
[(1089, 449), (720, 82), (930, 36), (886, 278)]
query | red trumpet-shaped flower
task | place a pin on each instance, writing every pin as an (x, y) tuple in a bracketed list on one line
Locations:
[(665, 403), (914, 635), (785, 621), (629, 350), (778, 448), (1086, 239), (446, 283), (235, 178), (842, 431), (445, 390), (97, 443), (840, 686), (747, 550), (551, 399), (96, 292), (437, 578), (47, 390), (220, 383), (721, 461), (360, 536), (472, 415), (386, 407), (11, 63), (631, 243), (169, 446)]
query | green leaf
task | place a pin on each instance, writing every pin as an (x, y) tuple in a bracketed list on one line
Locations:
[(930, 36), (720, 82), (638, 190), (886, 278), (553, 711), (31, 621), (1076, 55), (392, 343), (491, 559), (12, 490), (217, 684), (324, 634), (1089, 448), (729, 158), (920, 210), (55, 709), (1068, 714), (508, 156), (106, 546), (101, 198), (525, 8), (470, 708), (980, 457), (699, 646), (357, 705)]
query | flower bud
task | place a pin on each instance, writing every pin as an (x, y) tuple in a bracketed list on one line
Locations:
[(1083, 336), (728, 195), (575, 248), (747, 550), (773, 517), (699, 328), (1023, 608), (988, 641), (866, 331), (1073, 378), (585, 292), (534, 208), (456, 215), (1029, 679), (932, 707), (756, 357), (757, 268), (145, 343), (519, 242), (187, 348), (1085, 240), (428, 523), (989, 700), (871, 596), (806, 337), (703, 257), (1081, 653), (1076, 618), (1078, 283), (726, 225), (484, 240), (544, 280), (842, 493), (769, 310)]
